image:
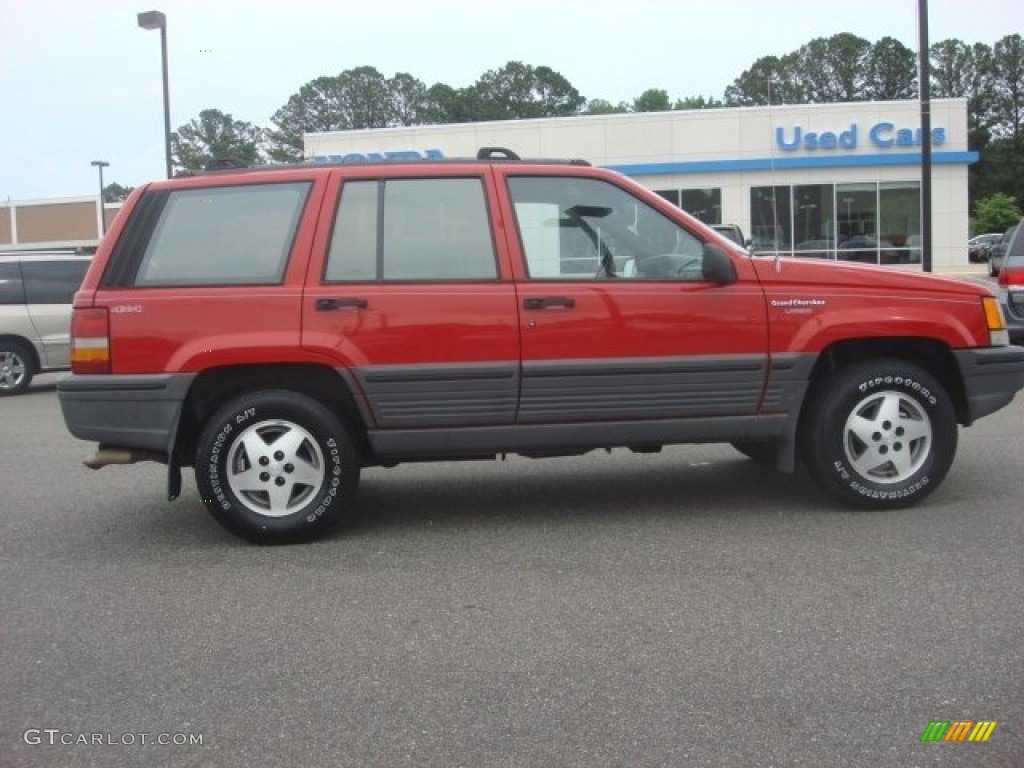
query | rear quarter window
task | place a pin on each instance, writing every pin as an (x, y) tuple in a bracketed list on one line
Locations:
[(53, 282), (1015, 248), (224, 235), (11, 291)]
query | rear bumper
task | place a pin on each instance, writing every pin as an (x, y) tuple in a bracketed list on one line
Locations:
[(136, 411), (991, 376), (1012, 304)]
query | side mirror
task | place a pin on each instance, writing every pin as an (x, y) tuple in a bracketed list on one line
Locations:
[(718, 267)]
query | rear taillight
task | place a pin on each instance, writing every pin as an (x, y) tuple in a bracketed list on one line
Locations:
[(90, 341), (1011, 276)]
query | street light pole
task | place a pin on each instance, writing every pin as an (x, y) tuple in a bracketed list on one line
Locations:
[(156, 20), (101, 164), (924, 90)]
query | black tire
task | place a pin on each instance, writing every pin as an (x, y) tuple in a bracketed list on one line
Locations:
[(276, 467), (880, 434), (761, 451), (16, 368)]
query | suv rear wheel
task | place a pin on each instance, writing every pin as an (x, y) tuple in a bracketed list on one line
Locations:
[(880, 434), (15, 368), (276, 466)]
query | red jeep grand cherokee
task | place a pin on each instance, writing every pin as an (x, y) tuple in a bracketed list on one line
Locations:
[(277, 329)]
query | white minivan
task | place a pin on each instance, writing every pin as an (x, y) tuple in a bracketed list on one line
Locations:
[(36, 290)]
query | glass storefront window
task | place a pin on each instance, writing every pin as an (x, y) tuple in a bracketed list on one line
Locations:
[(672, 195), (814, 221), (770, 219), (900, 222), (857, 222), (703, 204)]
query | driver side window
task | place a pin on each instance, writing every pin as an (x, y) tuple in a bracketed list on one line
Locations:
[(578, 229)]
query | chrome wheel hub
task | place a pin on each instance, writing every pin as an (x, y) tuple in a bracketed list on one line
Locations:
[(12, 370), (887, 437), (275, 467)]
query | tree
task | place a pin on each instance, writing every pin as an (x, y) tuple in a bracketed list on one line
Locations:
[(603, 107), (996, 213), (964, 71), (698, 102), (1008, 87), (832, 69), (518, 91), (444, 104), (652, 100), (214, 136), (890, 71), (770, 80), (115, 193), (408, 98), (356, 98)]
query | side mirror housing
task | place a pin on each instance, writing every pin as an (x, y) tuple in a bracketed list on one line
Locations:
[(718, 267)]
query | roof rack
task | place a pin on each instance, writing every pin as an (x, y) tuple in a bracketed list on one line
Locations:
[(483, 155)]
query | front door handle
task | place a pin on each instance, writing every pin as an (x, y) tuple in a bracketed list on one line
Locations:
[(544, 302), (326, 305)]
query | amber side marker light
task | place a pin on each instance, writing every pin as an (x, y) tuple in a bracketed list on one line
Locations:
[(90, 341), (997, 334)]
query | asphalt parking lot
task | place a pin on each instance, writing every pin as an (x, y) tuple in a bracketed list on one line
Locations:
[(685, 609)]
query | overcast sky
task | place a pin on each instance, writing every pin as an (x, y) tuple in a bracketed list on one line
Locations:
[(79, 81)]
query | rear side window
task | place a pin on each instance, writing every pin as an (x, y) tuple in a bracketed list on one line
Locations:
[(10, 284), (410, 230), (1015, 248), (224, 235), (52, 282)]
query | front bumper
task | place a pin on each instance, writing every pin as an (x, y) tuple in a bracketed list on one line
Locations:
[(991, 377), (125, 411)]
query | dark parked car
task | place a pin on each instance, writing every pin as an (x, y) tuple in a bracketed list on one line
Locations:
[(731, 231), (1011, 284), (979, 247), (995, 261)]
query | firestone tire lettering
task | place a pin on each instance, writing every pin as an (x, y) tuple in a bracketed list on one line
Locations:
[(327, 503), (827, 444)]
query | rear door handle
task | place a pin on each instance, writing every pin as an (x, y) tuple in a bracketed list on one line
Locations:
[(326, 305), (544, 302)]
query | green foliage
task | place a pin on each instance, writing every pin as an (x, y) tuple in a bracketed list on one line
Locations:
[(115, 193), (890, 71), (1008, 87), (215, 136), (519, 91), (603, 107), (356, 98), (652, 100), (996, 213), (831, 69), (698, 102)]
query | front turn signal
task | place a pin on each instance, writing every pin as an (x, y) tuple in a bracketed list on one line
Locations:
[(997, 334)]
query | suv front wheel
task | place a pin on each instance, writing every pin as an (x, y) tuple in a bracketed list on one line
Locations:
[(276, 466), (880, 434)]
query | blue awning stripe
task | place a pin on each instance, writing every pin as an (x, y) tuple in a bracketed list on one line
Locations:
[(789, 163)]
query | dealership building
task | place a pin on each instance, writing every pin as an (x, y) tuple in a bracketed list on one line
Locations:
[(840, 181)]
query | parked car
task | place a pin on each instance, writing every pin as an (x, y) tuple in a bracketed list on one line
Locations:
[(979, 247), (998, 251), (731, 231), (280, 329), (1011, 285), (36, 288)]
